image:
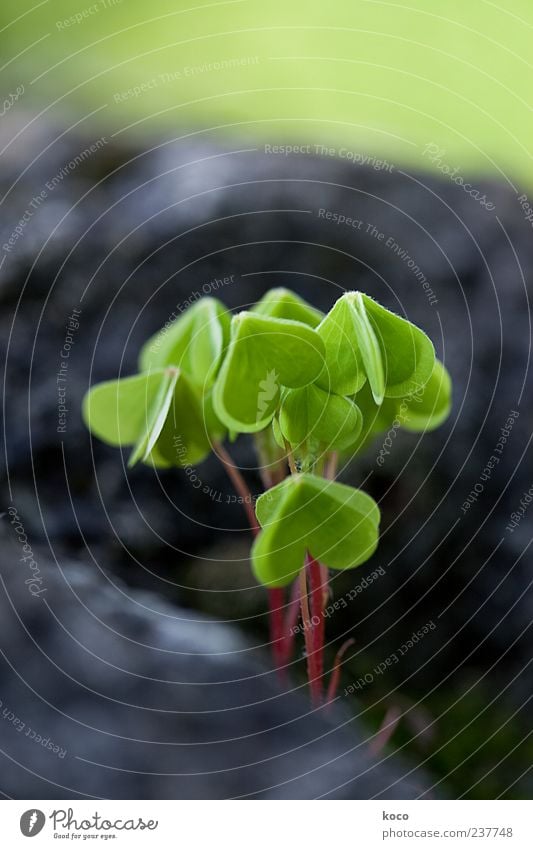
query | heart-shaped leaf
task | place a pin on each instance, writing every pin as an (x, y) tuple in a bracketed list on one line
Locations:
[(189, 427), (213, 425), (372, 353), (407, 353), (117, 411), (264, 354), (194, 342), (376, 419), (363, 338), (282, 303), (155, 418), (337, 524), (344, 371), (161, 413), (277, 434), (310, 413), (425, 409), (430, 407)]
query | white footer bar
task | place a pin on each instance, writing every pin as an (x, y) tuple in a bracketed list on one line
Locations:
[(268, 824)]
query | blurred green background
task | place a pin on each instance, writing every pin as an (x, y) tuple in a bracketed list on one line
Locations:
[(386, 78)]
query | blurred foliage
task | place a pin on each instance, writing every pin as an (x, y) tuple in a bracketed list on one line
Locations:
[(482, 747), (384, 78), (471, 741)]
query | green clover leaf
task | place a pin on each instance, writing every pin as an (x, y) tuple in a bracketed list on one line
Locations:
[(160, 413), (279, 439), (430, 406), (372, 353), (282, 303), (155, 417), (264, 354), (344, 372), (194, 342), (337, 524), (117, 411), (363, 338), (310, 413), (190, 426), (377, 418), (408, 354), (423, 410)]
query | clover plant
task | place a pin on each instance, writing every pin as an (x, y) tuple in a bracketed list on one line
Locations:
[(311, 388)]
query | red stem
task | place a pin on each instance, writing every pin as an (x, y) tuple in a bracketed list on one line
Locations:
[(278, 636), (314, 681), (276, 597), (316, 591), (291, 620), (330, 470), (336, 673), (386, 729), (281, 627), (239, 483)]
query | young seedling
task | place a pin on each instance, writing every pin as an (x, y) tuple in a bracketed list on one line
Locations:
[(310, 388)]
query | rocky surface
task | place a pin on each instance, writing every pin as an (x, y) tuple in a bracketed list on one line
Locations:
[(111, 693)]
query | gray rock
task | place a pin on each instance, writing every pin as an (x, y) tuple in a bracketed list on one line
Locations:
[(111, 693)]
